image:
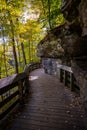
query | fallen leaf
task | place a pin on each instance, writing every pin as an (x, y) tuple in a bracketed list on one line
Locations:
[(81, 116), (71, 115), (66, 121), (67, 112)]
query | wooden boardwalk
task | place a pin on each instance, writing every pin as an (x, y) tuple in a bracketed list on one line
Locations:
[(51, 106)]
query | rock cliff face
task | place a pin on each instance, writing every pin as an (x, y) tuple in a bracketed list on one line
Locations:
[(78, 51), (69, 42), (50, 46)]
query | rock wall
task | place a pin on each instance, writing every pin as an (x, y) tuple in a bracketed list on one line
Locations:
[(69, 42), (50, 46), (79, 44), (76, 10), (51, 66)]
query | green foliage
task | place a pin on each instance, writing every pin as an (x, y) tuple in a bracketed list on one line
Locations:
[(50, 13), (26, 30)]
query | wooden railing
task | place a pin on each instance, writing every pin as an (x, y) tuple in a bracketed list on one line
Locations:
[(34, 66), (14, 89), (67, 77)]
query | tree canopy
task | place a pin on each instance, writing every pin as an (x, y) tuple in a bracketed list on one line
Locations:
[(23, 23)]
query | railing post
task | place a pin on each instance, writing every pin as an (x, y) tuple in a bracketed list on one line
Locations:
[(61, 75), (71, 82), (65, 77), (20, 88), (26, 85)]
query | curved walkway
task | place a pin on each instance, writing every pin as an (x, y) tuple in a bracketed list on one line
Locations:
[(51, 106)]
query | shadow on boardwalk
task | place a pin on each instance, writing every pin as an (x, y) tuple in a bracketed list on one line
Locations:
[(51, 106)]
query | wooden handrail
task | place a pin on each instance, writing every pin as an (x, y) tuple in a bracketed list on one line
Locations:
[(66, 68), (31, 67), (13, 89), (67, 77)]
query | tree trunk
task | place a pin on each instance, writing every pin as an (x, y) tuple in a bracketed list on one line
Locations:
[(5, 61), (15, 55), (19, 56), (4, 51), (14, 49), (43, 6), (32, 51), (22, 46), (29, 52), (1, 60), (0, 66), (49, 20), (0, 72)]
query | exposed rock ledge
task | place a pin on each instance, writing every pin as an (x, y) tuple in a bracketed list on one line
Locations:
[(69, 42)]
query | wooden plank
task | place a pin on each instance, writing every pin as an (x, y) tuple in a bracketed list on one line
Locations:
[(6, 88), (65, 68), (19, 77), (49, 107), (8, 81)]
